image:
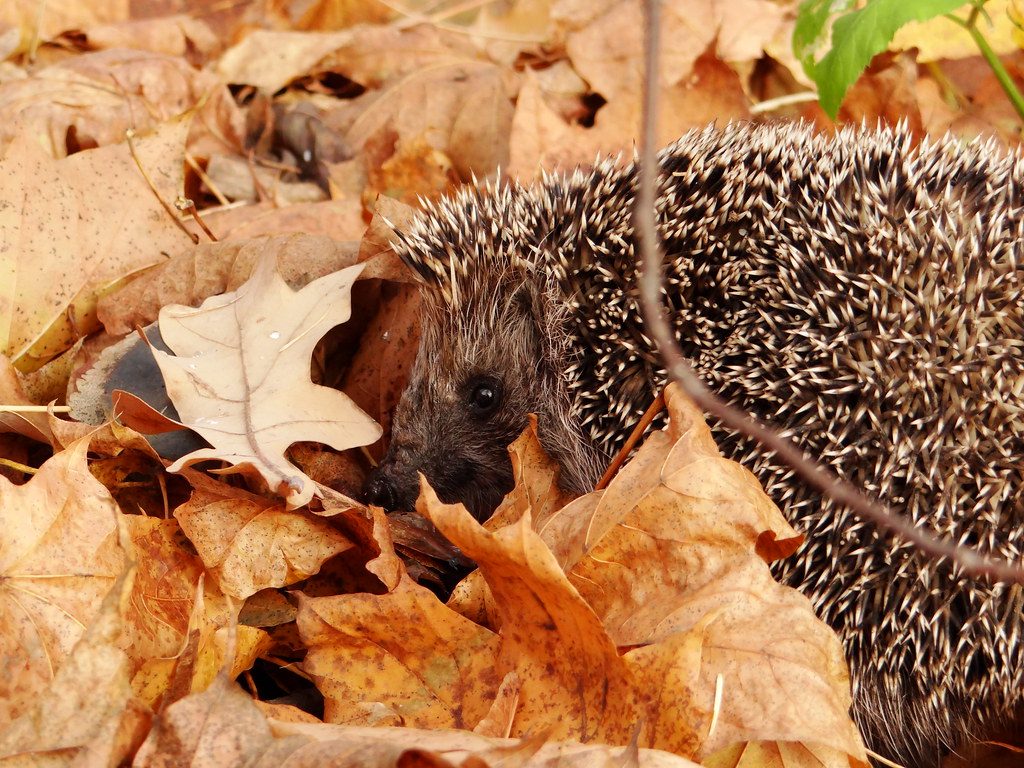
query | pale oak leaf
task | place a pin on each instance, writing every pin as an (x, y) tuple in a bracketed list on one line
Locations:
[(240, 376)]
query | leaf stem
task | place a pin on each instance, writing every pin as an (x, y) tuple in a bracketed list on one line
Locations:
[(991, 58)]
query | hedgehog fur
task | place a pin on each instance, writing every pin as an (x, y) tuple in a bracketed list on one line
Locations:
[(861, 291)]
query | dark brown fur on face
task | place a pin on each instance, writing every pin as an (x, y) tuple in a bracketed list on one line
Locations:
[(495, 340)]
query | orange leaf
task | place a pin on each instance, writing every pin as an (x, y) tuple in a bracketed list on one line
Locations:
[(74, 227), (87, 713), (401, 658), (574, 684), (59, 556), (250, 543)]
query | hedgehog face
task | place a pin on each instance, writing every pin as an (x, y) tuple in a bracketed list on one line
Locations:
[(480, 371)]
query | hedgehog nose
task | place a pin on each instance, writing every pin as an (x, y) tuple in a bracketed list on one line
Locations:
[(380, 492)]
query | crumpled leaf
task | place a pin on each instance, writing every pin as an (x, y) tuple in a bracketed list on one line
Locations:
[(461, 107), (166, 585), (669, 558), (175, 35), (574, 684), (33, 425), (220, 726), (250, 543), (240, 376), (87, 712), (59, 556), (679, 578), (296, 53), (179, 627), (402, 658), (212, 268), (92, 99), (223, 726), (775, 753), (536, 490), (43, 23)]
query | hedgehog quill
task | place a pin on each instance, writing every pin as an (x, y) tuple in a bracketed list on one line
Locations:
[(863, 293)]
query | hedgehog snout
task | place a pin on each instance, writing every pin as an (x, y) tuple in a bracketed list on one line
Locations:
[(479, 482), (380, 491), (391, 487)]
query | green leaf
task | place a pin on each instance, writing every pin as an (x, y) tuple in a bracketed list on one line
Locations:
[(811, 30), (856, 37)]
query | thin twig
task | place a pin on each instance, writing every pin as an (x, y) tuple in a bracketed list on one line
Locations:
[(783, 101), (261, 192), (187, 204), (130, 136), (17, 465), (639, 430), (657, 325), (207, 181)]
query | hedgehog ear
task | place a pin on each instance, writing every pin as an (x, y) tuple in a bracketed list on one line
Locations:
[(528, 300)]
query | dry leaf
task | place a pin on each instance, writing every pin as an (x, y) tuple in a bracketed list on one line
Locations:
[(32, 425), (511, 29), (87, 713), (540, 139), (380, 368), (177, 35), (39, 24), (59, 556), (463, 108), (340, 220), (202, 625), (574, 685), (240, 377), (72, 228), (217, 727), (498, 720), (885, 90), (780, 754), (295, 54), (213, 268), (107, 440), (401, 658), (380, 54), (250, 543), (163, 600), (92, 99), (668, 558), (679, 574), (333, 14), (536, 490), (223, 726), (643, 615)]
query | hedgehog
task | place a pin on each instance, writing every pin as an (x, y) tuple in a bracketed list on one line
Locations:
[(861, 291)]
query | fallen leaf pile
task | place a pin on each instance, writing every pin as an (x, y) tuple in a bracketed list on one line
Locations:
[(202, 328)]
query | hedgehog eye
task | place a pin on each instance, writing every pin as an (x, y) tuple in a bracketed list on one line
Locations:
[(485, 397)]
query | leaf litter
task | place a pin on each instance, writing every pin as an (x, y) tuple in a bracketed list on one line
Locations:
[(237, 607)]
